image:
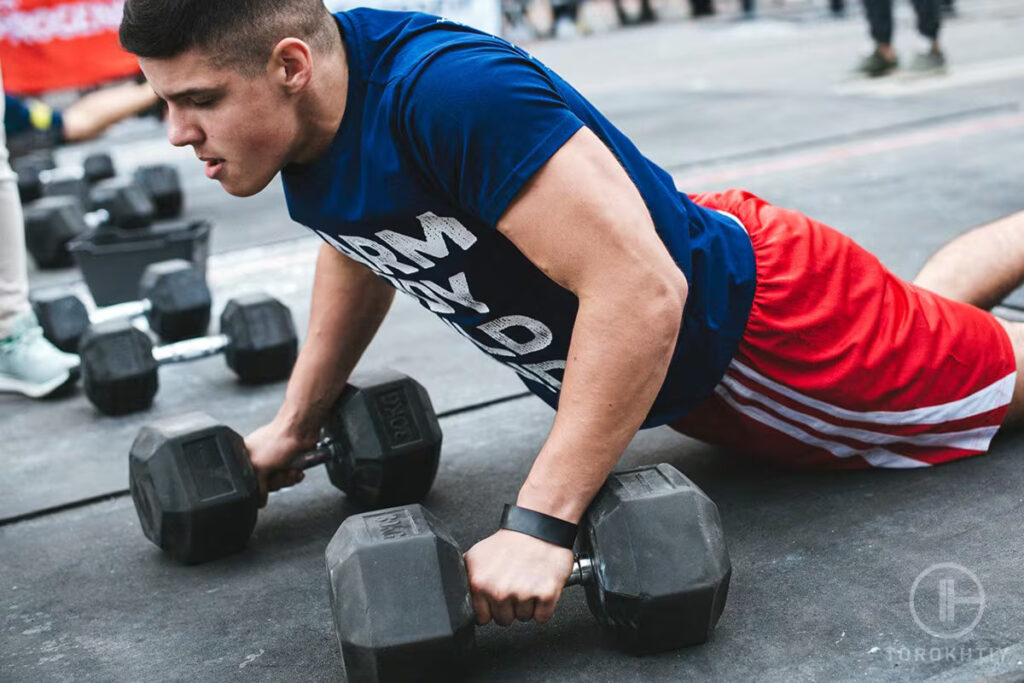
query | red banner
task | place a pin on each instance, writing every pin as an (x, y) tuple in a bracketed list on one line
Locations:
[(53, 44)]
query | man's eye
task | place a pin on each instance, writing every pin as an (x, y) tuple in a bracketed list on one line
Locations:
[(203, 102)]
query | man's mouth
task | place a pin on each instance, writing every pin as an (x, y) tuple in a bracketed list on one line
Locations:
[(213, 166)]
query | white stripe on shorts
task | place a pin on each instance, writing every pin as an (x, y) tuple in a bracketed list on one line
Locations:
[(976, 439), (879, 457), (993, 396)]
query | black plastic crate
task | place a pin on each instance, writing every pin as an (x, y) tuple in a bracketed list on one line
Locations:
[(112, 261)]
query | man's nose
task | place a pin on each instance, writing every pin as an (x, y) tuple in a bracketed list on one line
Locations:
[(181, 130)]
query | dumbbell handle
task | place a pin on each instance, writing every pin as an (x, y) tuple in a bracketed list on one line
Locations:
[(582, 570), (121, 311), (95, 219), (325, 451), (50, 175), (191, 349)]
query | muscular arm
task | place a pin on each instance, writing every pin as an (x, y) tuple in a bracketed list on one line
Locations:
[(583, 222), (348, 305)]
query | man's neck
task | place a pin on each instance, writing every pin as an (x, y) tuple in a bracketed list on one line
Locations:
[(324, 108)]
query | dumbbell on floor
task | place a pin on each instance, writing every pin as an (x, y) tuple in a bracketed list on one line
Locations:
[(119, 362), (52, 222), (163, 185), (195, 490), (127, 204), (173, 297), (28, 168), (652, 560), (38, 178)]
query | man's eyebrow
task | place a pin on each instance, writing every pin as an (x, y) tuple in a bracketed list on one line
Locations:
[(191, 92)]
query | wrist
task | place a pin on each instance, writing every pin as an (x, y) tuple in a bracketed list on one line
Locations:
[(539, 525), (301, 427), (559, 503)]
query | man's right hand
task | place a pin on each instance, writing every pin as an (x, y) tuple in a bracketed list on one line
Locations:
[(271, 450)]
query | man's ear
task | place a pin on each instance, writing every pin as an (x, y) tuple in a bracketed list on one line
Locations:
[(291, 64)]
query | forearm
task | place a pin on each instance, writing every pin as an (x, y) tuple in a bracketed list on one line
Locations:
[(348, 305), (618, 358)]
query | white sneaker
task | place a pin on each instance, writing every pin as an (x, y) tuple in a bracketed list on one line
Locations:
[(31, 365)]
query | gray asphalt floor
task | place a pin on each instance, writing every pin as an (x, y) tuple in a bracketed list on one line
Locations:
[(823, 564)]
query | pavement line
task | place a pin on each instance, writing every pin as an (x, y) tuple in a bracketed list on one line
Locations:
[(120, 493), (769, 151), (842, 152), (957, 77)]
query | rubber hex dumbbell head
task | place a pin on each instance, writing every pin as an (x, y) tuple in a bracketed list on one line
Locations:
[(193, 487), (162, 183), (387, 426), (64, 319), (411, 619), (264, 343), (127, 204), (179, 299), (67, 185), (50, 223), (28, 168), (98, 166), (119, 373), (674, 598)]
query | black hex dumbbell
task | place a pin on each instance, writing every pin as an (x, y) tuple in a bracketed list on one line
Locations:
[(52, 222), (28, 168), (173, 297), (127, 204), (195, 490), (39, 177), (652, 559), (119, 361), (163, 185)]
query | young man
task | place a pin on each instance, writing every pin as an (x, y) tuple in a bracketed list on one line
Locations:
[(449, 164)]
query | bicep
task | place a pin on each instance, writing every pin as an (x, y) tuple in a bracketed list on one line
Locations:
[(583, 222)]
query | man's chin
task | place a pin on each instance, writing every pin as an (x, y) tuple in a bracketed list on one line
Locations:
[(237, 189)]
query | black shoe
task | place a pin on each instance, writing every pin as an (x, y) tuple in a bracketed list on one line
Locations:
[(876, 64), (931, 62)]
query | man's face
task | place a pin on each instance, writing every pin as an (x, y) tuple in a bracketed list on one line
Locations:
[(243, 128)]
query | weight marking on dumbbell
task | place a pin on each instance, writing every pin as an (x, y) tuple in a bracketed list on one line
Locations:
[(209, 472), (641, 482), (400, 425), (391, 524)]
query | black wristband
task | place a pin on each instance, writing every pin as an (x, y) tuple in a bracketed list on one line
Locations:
[(537, 524)]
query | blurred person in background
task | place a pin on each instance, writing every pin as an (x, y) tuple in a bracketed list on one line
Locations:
[(565, 15), (32, 123), (29, 364), (883, 60)]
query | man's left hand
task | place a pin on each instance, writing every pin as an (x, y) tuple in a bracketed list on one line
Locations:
[(515, 576)]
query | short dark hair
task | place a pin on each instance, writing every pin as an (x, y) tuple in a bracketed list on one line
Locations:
[(238, 34)]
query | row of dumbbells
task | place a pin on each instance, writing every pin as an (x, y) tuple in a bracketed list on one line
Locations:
[(651, 551), (63, 203), (119, 359)]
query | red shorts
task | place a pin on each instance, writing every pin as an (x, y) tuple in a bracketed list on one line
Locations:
[(844, 365)]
